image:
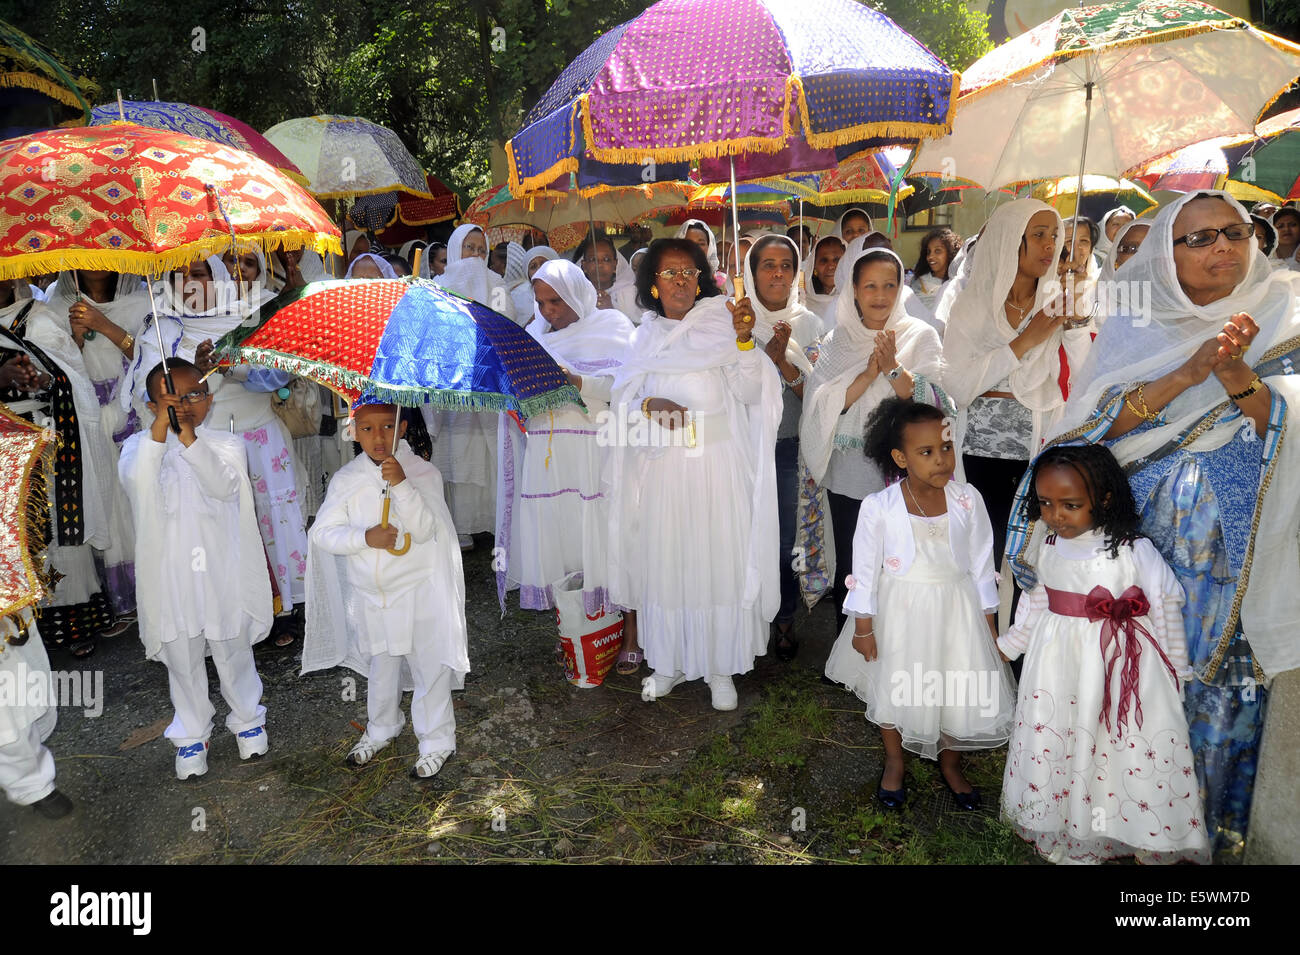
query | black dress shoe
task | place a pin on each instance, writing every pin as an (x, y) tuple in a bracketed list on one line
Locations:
[(784, 643), (54, 806), (890, 798), (970, 802)]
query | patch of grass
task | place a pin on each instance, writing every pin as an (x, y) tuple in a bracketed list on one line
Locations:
[(730, 801)]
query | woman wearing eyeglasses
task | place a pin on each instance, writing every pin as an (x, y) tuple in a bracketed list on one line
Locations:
[(1191, 394), (692, 478)]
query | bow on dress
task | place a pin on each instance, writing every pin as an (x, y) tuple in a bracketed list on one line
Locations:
[(1119, 638)]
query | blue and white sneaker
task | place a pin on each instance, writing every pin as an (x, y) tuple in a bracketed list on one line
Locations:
[(252, 742), (192, 760)]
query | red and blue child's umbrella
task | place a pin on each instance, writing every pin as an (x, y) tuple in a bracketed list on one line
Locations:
[(406, 342)]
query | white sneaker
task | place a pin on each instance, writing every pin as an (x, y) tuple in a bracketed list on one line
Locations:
[(427, 766), (365, 750), (723, 689), (252, 742), (466, 542), (656, 685), (191, 760)]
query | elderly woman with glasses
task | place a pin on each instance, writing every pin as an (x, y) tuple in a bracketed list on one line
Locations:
[(692, 478), (1191, 392)]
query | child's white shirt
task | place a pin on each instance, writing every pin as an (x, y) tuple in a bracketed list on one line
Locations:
[(200, 564), (362, 600), (883, 543)]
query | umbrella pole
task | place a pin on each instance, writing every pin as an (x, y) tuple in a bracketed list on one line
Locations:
[(1083, 159), (76, 281), (388, 489), (739, 280), (162, 353)]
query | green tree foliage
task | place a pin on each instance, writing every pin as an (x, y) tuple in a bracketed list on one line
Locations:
[(452, 79), (954, 33)]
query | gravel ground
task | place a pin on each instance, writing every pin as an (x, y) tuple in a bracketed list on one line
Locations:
[(543, 771)]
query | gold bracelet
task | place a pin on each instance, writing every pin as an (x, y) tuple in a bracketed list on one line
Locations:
[(745, 346), (1255, 385), (645, 407), (126, 342), (1146, 414)]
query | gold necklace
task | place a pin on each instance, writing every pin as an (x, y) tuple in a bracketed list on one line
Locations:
[(931, 527)]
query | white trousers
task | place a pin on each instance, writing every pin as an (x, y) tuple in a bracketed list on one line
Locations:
[(187, 674), (26, 768), (431, 710)]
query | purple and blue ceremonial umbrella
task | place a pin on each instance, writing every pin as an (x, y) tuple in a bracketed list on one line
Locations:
[(692, 80), (756, 87)]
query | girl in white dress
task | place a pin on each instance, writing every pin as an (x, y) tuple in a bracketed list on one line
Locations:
[(919, 645), (1099, 765)]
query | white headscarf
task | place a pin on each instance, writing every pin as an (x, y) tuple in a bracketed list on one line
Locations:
[(839, 223), (408, 251), (472, 278), (822, 304), (596, 342), (516, 264), (825, 424), (386, 270), (521, 293), (1104, 245), (805, 326), (1131, 350), (1109, 268), (712, 251), (183, 328), (126, 310), (457, 239), (978, 330), (310, 267)]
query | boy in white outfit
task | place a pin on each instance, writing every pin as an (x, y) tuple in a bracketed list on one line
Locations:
[(201, 579), (398, 618)]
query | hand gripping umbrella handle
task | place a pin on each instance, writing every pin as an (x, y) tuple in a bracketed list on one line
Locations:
[(383, 522)]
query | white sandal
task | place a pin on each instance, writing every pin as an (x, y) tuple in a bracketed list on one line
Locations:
[(428, 766), (364, 751)]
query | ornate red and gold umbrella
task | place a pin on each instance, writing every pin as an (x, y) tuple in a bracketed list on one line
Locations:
[(134, 199), (24, 448)]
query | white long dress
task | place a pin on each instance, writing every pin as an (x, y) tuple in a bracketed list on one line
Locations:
[(937, 677), (561, 517), (1079, 791), (695, 514)]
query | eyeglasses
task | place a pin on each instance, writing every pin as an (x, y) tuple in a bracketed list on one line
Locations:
[(669, 274), (194, 397), (1237, 232)]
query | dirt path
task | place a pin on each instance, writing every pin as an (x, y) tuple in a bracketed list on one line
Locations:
[(543, 771)]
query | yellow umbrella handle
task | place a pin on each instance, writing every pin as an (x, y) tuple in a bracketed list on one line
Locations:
[(415, 264), (406, 543), (739, 282)]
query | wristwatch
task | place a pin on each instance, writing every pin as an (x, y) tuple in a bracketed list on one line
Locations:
[(894, 372)]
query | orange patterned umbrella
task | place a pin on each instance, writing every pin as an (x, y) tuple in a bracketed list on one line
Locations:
[(135, 199)]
